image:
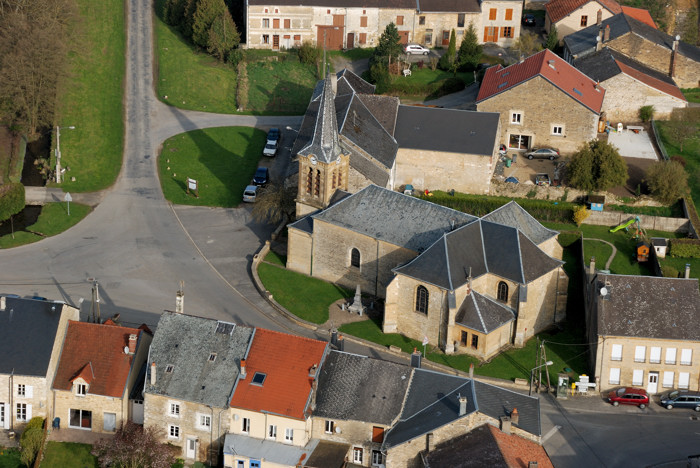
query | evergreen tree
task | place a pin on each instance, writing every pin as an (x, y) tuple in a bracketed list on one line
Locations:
[(448, 59), (597, 166), (389, 46), (470, 51), (205, 14), (223, 36), (552, 38)]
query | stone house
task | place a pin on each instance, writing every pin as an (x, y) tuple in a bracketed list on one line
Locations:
[(272, 398), (342, 25), (194, 367), (31, 337), (639, 41), (644, 331), (98, 368), (630, 85), (570, 16), (542, 101)]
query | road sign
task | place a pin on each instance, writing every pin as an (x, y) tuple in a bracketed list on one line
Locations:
[(68, 199)]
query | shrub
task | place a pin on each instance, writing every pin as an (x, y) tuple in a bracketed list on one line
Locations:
[(11, 200), (685, 248), (667, 180), (679, 159), (646, 113), (242, 86), (31, 439), (580, 215), (670, 272), (309, 54)]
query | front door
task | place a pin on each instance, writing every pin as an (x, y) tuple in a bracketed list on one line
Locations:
[(110, 422), (276, 41), (520, 142), (403, 37), (351, 40), (191, 449), (653, 383)]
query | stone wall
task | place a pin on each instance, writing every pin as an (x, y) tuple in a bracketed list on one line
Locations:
[(625, 95), (98, 405), (488, 345), (354, 433), (299, 251), (436, 23), (658, 223), (400, 315), (300, 24)]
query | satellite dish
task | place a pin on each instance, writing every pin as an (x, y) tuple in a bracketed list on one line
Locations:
[(603, 291), (337, 430), (126, 350)]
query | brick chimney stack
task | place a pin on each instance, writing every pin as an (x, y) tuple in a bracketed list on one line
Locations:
[(599, 41), (153, 373), (514, 416), (673, 56), (599, 17), (606, 34), (243, 373), (132, 343)]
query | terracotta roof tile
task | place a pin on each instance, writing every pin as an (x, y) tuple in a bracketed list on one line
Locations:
[(97, 350), (285, 360), (518, 451), (640, 14), (552, 68), (558, 9)]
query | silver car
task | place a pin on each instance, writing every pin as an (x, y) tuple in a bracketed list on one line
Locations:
[(542, 153), (415, 49), (249, 194)]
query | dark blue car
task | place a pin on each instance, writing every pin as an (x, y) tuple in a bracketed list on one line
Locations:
[(261, 176), (681, 399)]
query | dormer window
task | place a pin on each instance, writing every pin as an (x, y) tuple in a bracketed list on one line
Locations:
[(81, 389), (259, 378), (169, 369), (212, 357)]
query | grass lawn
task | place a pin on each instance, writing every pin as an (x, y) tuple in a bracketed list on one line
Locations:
[(53, 220), (692, 94), (275, 258), (62, 454), (691, 155), (9, 458), (222, 160), (280, 87), (307, 298), (91, 97), (600, 250), (424, 83), (672, 266)]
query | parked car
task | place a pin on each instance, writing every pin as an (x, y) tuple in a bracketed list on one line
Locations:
[(542, 153), (629, 396), (415, 49), (261, 176), (512, 180), (529, 19), (249, 194), (273, 135), (681, 399), (270, 149)]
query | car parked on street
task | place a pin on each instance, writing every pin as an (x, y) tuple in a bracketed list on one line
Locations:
[(418, 49), (261, 176), (250, 193), (542, 153), (270, 149), (681, 399), (273, 135), (629, 396), (529, 19)]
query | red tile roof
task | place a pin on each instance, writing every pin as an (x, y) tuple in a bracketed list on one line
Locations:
[(95, 353), (518, 452), (558, 9), (285, 360), (662, 86), (552, 68), (640, 14)]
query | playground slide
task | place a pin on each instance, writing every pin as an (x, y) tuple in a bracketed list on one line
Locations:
[(623, 225)]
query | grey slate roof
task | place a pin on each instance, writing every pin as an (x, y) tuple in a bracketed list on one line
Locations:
[(27, 334), (483, 314), (324, 143), (354, 387), (601, 66), (447, 130), (513, 215), (432, 401), (272, 452), (495, 402), (352, 81), (393, 217), (484, 247), (474, 449), (659, 241), (185, 342), (649, 307)]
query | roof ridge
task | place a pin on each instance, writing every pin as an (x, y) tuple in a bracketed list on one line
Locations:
[(375, 119), (520, 256), (483, 247), (102, 326), (447, 262), (478, 314)]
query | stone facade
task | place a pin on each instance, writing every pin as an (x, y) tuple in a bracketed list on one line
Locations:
[(318, 181), (533, 109), (500, 22), (578, 19), (431, 29), (625, 95), (357, 434)]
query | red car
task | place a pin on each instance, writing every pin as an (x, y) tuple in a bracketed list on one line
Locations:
[(629, 396)]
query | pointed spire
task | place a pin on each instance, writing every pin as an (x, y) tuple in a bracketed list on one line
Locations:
[(324, 144)]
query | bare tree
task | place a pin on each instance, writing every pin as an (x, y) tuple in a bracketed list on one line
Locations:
[(134, 446), (274, 203)]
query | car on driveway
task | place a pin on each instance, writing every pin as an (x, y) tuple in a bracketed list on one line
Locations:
[(273, 135), (542, 153), (417, 49), (261, 176), (270, 149), (629, 396), (250, 193), (529, 19), (681, 399)]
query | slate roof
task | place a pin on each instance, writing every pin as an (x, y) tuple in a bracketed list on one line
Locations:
[(186, 342), (649, 307), (483, 314), (28, 321), (486, 445), (393, 217), (432, 402), (447, 130), (495, 402), (347, 78), (550, 67), (96, 353), (607, 63), (354, 387), (273, 452), (445, 6), (480, 247), (559, 9), (513, 215), (640, 14), (328, 454), (324, 143), (286, 361)]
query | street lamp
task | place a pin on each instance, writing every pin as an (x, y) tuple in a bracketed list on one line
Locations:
[(58, 151), (532, 374)]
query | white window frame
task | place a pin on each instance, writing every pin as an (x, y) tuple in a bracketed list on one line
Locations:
[(265, 20), (655, 355), (21, 408), (616, 352), (81, 389), (686, 357), (289, 435), (638, 377), (174, 409), (202, 420), (516, 117), (614, 378), (640, 354), (560, 127), (245, 425), (21, 390), (173, 432), (667, 381), (377, 458), (272, 432), (670, 356), (684, 380), (329, 426), (357, 455)]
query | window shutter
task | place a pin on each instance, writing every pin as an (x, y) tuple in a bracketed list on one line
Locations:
[(29, 391), (637, 377), (7, 416), (655, 355), (615, 375), (616, 352), (686, 356), (670, 355), (683, 379), (509, 14), (486, 34), (29, 412), (668, 379), (640, 353)]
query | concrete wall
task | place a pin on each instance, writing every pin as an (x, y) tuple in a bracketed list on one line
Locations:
[(625, 95), (572, 23), (659, 223)]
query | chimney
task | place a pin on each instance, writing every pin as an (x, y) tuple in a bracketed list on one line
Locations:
[(599, 41), (312, 371), (471, 370), (2, 303), (592, 272), (462, 405), (180, 299), (532, 464), (132, 343), (415, 358), (243, 374), (153, 373), (341, 343), (505, 424), (429, 442), (687, 270), (334, 83), (674, 51), (599, 17), (606, 34), (514, 416)]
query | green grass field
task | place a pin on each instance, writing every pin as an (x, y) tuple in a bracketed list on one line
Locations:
[(9, 458), (63, 454), (276, 259), (91, 98), (280, 87), (692, 94), (53, 220), (222, 160), (600, 250)]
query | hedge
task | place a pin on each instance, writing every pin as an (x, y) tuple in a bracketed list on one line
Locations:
[(685, 248), (11, 200)]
